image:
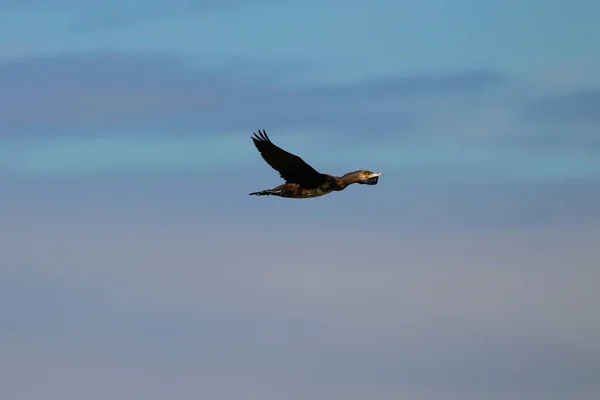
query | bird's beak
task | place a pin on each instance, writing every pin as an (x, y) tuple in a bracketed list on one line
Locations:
[(371, 179)]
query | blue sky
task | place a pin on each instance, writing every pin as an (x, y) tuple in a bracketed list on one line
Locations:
[(134, 264)]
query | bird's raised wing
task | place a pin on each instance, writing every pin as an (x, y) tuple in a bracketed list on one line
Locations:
[(290, 167)]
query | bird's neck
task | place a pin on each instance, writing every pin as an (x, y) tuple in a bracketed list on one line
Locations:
[(349, 179)]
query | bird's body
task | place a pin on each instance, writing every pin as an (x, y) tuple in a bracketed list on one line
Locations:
[(293, 190), (302, 180)]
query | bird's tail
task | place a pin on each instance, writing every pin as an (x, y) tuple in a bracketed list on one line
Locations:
[(268, 192), (261, 193)]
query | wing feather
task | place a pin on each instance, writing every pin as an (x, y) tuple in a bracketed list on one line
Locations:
[(290, 167)]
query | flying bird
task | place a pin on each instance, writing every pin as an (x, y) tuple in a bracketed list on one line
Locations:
[(301, 180)]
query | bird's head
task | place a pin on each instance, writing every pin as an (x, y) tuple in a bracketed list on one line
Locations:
[(368, 177)]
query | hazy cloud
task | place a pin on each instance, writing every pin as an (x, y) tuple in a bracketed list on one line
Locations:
[(71, 91), (466, 125), (488, 310), (567, 119)]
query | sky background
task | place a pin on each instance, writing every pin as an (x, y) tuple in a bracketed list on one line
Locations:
[(134, 265)]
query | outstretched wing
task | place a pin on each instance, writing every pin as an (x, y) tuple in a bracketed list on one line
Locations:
[(290, 167)]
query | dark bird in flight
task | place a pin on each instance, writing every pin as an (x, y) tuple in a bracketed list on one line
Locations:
[(301, 180)]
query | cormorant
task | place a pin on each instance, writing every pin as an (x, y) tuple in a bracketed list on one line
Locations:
[(301, 180)]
